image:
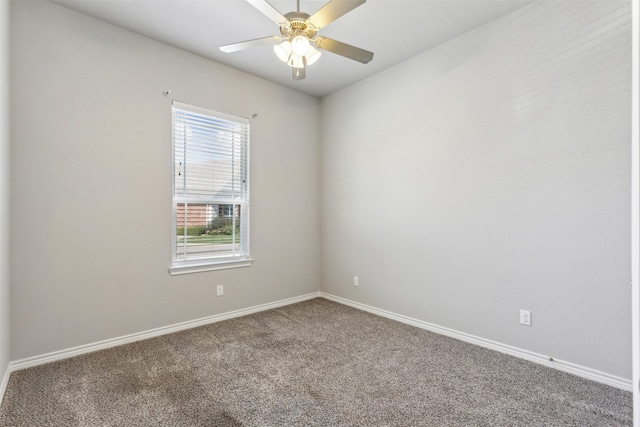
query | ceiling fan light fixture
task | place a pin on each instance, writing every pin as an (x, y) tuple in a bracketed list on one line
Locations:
[(300, 45), (283, 51), (312, 55), (295, 61)]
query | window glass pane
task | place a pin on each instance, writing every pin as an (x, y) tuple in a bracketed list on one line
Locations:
[(207, 230)]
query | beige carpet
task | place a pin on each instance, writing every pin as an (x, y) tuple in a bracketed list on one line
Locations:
[(316, 363)]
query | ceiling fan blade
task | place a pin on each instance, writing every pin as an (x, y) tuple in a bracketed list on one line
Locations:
[(269, 11), (299, 73), (332, 11), (343, 49), (235, 47)]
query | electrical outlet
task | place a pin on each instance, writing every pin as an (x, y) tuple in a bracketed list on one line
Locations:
[(525, 317), (355, 281), (220, 290)]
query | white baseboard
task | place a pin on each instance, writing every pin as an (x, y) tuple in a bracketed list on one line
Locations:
[(581, 371), (572, 368), (114, 342), (5, 382)]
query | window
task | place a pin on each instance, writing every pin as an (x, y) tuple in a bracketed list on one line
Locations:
[(210, 190)]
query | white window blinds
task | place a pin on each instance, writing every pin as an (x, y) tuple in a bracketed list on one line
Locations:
[(210, 187)]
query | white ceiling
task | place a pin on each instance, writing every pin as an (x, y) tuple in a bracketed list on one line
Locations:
[(394, 30)]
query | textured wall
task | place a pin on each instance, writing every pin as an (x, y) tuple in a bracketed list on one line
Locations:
[(91, 183), (492, 174)]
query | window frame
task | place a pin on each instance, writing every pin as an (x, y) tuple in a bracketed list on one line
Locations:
[(185, 266)]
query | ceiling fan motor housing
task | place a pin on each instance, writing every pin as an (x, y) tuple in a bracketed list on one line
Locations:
[(297, 26)]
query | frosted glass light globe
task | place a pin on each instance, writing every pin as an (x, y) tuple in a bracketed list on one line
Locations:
[(295, 61), (283, 51), (312, 55), (300, 45)]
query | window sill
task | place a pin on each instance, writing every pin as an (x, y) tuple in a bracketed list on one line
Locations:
[(178, 269)]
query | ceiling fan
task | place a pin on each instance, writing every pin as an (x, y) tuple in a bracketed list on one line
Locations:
[(298, 42)]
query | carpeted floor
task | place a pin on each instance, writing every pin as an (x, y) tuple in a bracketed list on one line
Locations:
[(316, 363)]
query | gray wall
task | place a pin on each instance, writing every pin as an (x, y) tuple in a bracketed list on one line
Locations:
[(91, 183), (4, 190), (484, 176), (492, 174)]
